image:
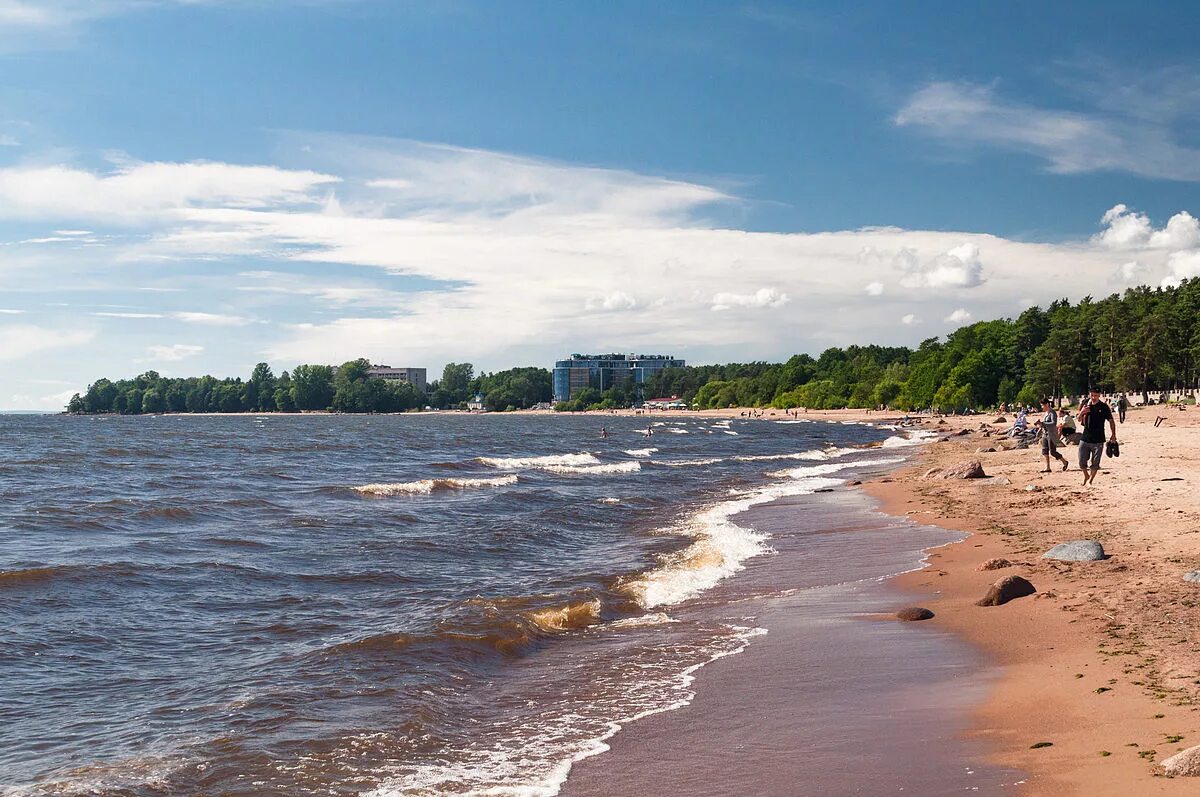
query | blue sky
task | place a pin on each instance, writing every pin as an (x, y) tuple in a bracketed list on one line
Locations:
[(196, 186)]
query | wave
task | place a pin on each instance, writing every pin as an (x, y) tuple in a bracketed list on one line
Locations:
[(21, 577), (569, 617), (612, 467), (677, 431), (641, 452), (643, 621), (914, 438), (609, 500), (684, 463), (428, 486), (813, 454), (523, 463)]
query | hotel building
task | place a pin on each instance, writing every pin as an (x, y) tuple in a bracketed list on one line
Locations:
[(603, 371)]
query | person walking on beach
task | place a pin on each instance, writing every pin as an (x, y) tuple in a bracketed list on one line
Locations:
[(1122, 407), (1093, 415), (1050, 440)]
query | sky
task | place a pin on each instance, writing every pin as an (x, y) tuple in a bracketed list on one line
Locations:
[(194, 186)]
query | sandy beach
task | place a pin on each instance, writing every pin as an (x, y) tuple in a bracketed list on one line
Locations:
[(1102, 662)]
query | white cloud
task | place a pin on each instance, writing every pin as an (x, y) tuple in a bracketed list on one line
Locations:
[(211, 319), (909, 319), (5, 139), (1181, 266), (1113, 138), (144, 192), (111, 314), (959, 316), (874, 289), (173, 353), (958, 267), (762, 298), (617, 300), (1128, 229), (7, 311), (21, 340)]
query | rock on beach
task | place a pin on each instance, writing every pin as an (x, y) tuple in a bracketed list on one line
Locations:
[(963, 470), (914, 613), (997, 563), (1006, 589), (1192, 576), (1076, 551), (1184, 764)]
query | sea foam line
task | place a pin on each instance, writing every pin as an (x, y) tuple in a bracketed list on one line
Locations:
[(427, 486)]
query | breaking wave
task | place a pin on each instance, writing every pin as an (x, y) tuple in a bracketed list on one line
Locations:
[(684, 463), (524, 463), (641, 452), (612, 467), (428, 486)]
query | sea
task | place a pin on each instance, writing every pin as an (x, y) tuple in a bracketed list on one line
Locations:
[(419, 604)]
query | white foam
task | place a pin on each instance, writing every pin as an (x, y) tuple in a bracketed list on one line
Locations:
[(684, 463), (641, 452), (644, 621), (612, 467), (796, 420), (427, 486), (678, 431), (609, 500), (813, 454), (727, 431), (915, 438), (522, 463)]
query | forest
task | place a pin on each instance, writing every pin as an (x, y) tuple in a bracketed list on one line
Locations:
[(1147, 339)]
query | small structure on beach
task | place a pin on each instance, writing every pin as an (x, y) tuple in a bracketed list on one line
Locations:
[(476, 403)]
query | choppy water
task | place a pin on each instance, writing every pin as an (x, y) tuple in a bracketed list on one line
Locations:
[(385, 605)]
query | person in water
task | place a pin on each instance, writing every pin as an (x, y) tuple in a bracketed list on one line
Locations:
[(603, 432)]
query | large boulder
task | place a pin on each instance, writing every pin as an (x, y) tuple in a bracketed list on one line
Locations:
[(1184, 764), (1076, 551), (964, 470), (914, 613), (1005, 590)]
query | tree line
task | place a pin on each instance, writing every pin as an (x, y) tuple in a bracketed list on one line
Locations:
[(345, 388), (1147, 339)]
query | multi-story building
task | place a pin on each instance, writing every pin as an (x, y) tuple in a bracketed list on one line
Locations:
[(603, 371), (414, 376)]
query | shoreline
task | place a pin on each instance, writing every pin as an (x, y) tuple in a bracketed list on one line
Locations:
[(1099, 662), (831, 700)]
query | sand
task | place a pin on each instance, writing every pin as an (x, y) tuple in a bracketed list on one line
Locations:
[(1106, 657), (1103, 662)]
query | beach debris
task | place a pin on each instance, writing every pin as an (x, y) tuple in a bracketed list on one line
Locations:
[(914, 613), (1185, 764), (1192, 576), (1076, 551), (823, 490), (1172, 479), (1040, 745), (963, 470), (1006, 589), (996, 563)]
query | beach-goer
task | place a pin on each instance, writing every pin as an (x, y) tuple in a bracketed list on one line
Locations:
[(1122, 407), (1066, 429), (1093, 415), (1050, 439), (603, 432)]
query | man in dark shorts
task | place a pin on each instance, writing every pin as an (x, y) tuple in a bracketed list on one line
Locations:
[(1092, 417), (1122, 406)]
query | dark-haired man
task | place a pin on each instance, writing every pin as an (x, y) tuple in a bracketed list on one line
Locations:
[(1092, 417)]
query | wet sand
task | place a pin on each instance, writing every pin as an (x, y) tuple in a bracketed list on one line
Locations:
[(833, 699)]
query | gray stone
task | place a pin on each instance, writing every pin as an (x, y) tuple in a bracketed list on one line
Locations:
[(1005, 590), (1032, 488), (1001, 480), (1185, 764), (1076, 551), (1192, 576), (914, 613), (963, 470)]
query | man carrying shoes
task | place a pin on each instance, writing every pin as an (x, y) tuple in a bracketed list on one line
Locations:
[(1092, 416)]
